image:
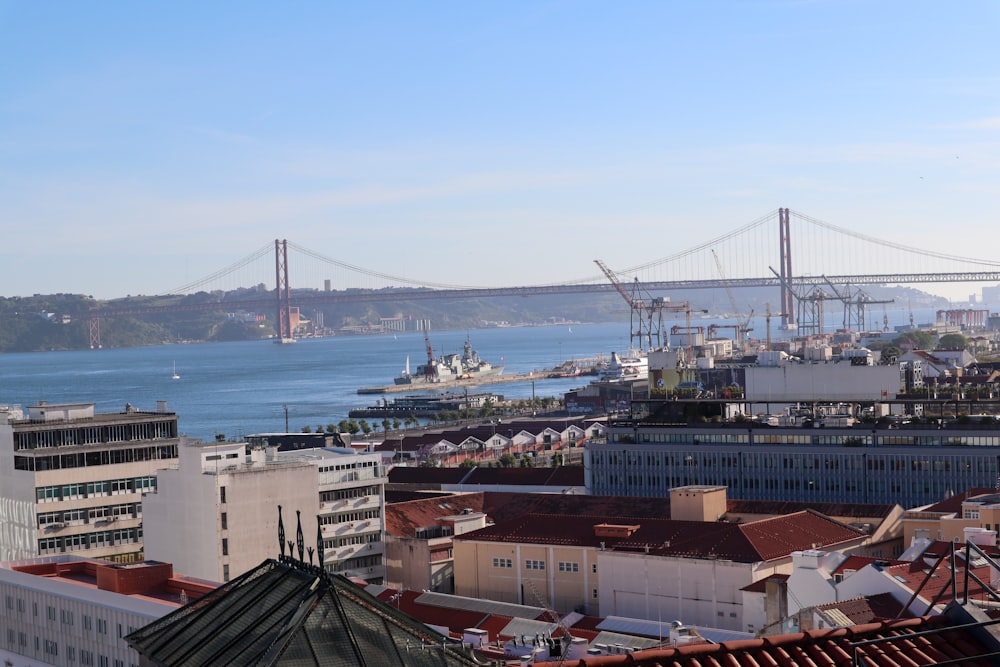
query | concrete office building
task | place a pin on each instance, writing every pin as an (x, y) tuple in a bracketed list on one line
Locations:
[(216, 514), (72, 480)]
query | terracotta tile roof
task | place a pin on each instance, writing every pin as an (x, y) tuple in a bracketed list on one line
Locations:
[(402, 519), (760, 585), (861, 610), (954, 503), (777, 507), (817, 647), (426, 475), (855, 563), (746, 543)]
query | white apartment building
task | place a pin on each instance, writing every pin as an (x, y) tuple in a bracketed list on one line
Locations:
[(75, 612), (72, 480), (215, 515)]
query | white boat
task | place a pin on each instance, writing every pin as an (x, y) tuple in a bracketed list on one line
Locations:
[(635, 366), (175, 375)]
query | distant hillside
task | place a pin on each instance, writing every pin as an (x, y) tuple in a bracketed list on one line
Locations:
[(64, 321)]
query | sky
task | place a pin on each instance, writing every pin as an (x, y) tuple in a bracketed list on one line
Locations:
[(146, 145)]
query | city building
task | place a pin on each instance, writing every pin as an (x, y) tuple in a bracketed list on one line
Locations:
[(67, 610), (825, 458), (640, 568), (216, 513), (73, 480)]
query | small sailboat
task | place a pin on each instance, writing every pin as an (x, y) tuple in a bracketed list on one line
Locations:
[(175, 375)]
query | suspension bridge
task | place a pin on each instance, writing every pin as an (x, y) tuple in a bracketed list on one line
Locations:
[(801, 257)]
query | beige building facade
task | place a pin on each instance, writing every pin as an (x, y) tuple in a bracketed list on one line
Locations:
[(73, 480)]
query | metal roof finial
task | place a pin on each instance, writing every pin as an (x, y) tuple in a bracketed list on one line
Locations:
[(319, 540), (281, 532), (299, 541)]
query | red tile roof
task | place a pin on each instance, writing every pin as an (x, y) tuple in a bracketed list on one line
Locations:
[(402, 519), (762, 540), (954, 503), (869, 609), (817, 647)]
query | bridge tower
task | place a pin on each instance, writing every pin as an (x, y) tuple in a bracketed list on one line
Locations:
[(95, 333), (787, 296), (284, 313)]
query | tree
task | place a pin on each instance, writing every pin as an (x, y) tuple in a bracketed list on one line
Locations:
[(557, 459), (915, 340), (952, 341), (395, 424), (506, 461), (467, 463), (365, 428), (527, 462)]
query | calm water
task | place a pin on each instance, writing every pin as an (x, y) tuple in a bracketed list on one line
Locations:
[(240, 388), (237, 389)]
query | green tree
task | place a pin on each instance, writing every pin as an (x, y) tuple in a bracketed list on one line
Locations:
[(506, 460), (915, 340), (952, 341), (467, 463), (365, 428), (527, 462), (557, 459)]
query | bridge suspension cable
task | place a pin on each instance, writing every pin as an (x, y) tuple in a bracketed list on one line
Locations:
[(892, 244), (707, 244), (265, 250)]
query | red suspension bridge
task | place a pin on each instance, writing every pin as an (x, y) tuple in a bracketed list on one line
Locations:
[(758, 254)]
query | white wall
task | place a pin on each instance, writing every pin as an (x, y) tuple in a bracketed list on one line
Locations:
[(693, 591), (829, 382)]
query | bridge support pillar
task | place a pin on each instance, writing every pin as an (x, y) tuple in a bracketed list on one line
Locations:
[(787, 296), (283, 323), (95, 333)]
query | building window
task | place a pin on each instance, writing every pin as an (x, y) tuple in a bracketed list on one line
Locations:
[(505, 563), (225, 546), (225, 572), (102, 626), (222, 495), (569, 567), (595, 594), (971, 514), (534, 565), (593, 568), (225, 521)]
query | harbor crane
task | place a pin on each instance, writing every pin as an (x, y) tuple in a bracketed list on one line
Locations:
[(742, 327), (646, 314)]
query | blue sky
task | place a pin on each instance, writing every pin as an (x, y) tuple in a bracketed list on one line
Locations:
[(145, 145)]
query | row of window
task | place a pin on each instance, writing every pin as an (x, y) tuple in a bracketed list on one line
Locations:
[(800, 461), (81, 516), (347, 517), (111, 487), (858, 439), (94, 435), (90, 459), (359, 538), (347, 494), (98, 540), (18, 642), (538, 565)]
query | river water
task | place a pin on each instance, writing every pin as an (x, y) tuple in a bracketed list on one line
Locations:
[(237, 389), (241, 388)]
